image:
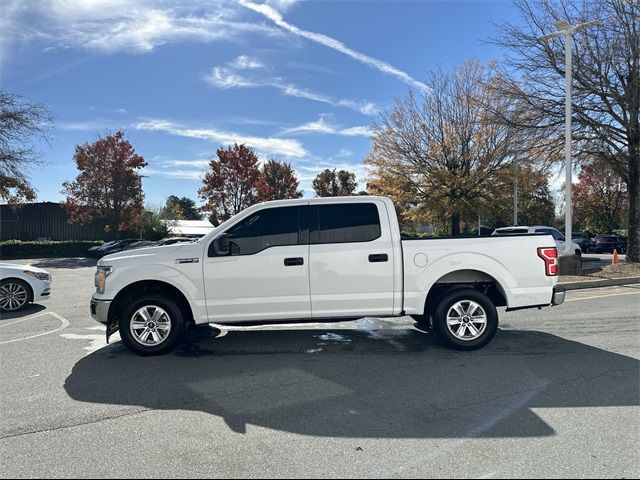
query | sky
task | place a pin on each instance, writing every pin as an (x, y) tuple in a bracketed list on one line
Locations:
[(298, 81)]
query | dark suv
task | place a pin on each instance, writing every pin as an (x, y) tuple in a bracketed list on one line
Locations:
[(608, 243)]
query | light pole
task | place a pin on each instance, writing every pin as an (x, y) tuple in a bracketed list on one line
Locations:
[(568, 31), (515, 191), (140, 177)]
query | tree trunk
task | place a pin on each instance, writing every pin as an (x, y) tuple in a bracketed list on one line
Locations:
[(633, 248), (455, 224)]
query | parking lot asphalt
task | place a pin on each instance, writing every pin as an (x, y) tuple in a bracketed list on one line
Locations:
[(556, 394)]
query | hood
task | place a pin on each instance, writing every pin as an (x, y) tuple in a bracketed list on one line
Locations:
[(150, 254), (21, 268)]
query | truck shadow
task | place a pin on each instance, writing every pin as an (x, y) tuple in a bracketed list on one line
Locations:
[(351, 383)]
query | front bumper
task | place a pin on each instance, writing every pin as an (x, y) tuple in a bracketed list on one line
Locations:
[(100, 310), (558, 295)]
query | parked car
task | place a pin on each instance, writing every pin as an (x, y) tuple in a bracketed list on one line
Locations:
[(140, 244), (326, 258), (607, 243), (172, 240), (582, 239), (557, 237), (112, 247), (95, 251), (21, 285)]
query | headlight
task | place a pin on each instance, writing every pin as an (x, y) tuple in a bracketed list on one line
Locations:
[(101, 278), (39, 275)]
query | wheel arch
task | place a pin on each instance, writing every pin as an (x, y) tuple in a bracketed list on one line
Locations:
[(465, 278), (146, 287)]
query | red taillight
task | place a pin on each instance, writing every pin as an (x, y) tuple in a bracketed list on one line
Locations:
[(550, 257)]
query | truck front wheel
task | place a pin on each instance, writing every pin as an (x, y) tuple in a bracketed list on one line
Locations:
[(152, 325), (466, 319)]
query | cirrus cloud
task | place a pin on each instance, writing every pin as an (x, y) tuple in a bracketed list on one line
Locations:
[(267, 145)]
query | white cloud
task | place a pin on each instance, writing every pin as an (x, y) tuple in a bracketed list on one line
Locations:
[(195, 175), (344, 152), (122, 25), (96, 125), (281, 5), (244, 62), (225, 77), (268, 145), (273, 15), (186, 163), (324, 126)]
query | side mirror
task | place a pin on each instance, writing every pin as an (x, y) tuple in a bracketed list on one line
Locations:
[(221, 245)]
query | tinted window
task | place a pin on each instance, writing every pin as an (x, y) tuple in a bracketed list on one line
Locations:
[(344, 223), (551, 231), (272, 227), (510, 231)]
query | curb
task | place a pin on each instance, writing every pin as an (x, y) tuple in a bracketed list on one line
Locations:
[(599, 283)]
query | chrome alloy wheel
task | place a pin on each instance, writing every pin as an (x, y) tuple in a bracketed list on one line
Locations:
[(150, 325), (466, 320), (13, 296)]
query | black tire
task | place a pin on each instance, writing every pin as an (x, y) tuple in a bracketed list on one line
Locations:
[(25, 286), (466, 295), (175, 318)]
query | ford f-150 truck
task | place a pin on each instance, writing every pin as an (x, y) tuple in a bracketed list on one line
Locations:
[(322, 259)]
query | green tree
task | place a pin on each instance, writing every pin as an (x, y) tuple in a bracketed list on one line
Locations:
[(154, 224), (182, 208)]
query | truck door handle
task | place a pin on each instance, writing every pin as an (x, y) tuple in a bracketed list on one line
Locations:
[(294, 261), (378, 257)]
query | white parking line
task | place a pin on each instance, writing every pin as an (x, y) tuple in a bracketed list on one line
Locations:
[(64, 321), (602, 296)]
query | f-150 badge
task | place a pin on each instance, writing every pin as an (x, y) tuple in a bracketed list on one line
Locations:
[(187, 260)]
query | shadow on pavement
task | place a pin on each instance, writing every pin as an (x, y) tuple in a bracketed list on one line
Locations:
[(353, 383), (30, 309), (64, 262)]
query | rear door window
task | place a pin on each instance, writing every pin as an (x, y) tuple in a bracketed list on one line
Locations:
[(344, 223)]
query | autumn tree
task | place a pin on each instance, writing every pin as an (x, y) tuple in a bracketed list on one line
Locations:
[(279, 182), (439, 153), (332, 183), (535, 200), (232, 182), (20, 123), (108, 185), (606, 83), (600, 199), (183, 208)]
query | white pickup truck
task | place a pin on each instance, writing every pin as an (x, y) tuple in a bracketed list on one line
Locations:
[(317, 260)]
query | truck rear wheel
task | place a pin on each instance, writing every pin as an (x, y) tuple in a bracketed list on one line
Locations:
[(466, 319), (152, 325)]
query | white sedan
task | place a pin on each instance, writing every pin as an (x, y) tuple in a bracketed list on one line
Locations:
[(22, 284)]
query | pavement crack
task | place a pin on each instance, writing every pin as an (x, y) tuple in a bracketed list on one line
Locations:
[(79, 424)]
